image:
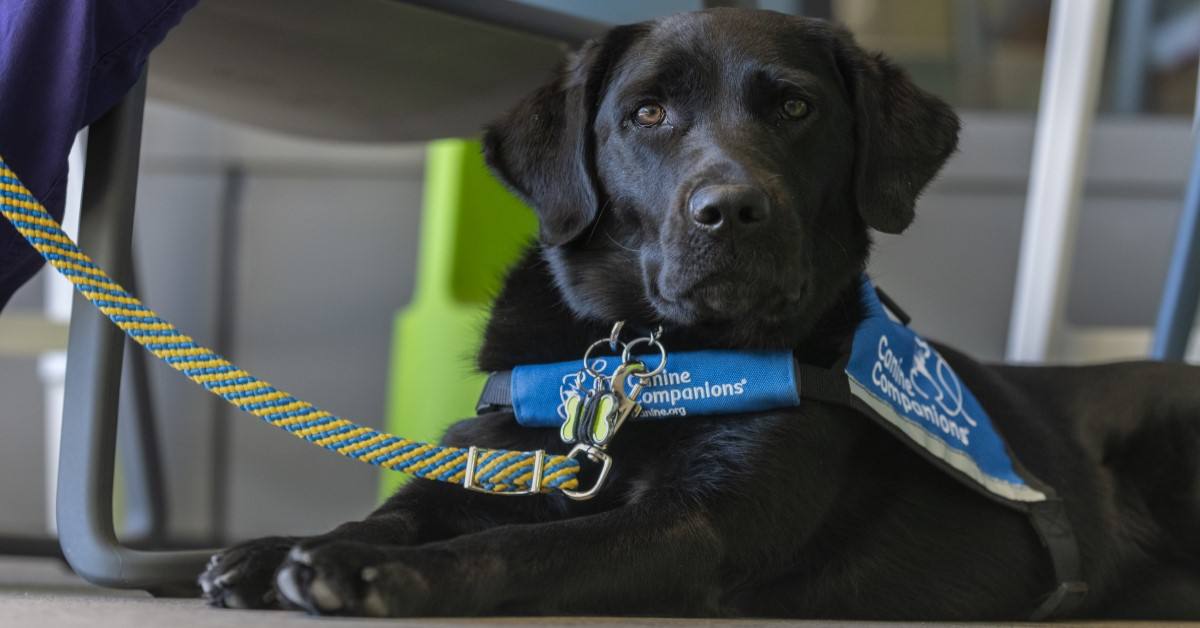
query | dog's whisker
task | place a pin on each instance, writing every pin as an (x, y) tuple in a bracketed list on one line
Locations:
[(614, 241), (599, 215)]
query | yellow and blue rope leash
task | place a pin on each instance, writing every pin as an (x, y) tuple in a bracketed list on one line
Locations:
[(488, 470)]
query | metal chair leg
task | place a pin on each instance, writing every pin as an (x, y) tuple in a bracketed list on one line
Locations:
[(145, 490), (1177, 313), (1070, 85), (85, 478)]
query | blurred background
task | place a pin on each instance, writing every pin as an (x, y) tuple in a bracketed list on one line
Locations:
[(332, 299)]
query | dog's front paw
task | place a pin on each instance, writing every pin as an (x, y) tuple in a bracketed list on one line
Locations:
[(348, 578), (243, 576)]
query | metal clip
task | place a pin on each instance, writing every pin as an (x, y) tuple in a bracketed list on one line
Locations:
[(627, 405), (595, 455), (614, 336), (591, 424), (535, 483)]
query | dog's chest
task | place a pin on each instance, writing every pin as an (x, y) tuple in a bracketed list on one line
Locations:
[(771, 453)]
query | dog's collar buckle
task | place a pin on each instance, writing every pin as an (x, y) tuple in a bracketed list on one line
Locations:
[(597, 455)]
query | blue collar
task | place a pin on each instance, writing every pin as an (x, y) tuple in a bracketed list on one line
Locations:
[(891, 374)]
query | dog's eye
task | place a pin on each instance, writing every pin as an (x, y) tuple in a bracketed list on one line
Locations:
[(794, 109), (650, 114)]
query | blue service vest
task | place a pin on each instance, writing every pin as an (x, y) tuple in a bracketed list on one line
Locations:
[(891, 374)]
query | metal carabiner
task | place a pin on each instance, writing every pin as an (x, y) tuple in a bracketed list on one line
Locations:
[(627, 404), (595, 455)]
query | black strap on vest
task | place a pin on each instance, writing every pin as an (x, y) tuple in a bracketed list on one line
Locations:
[(1049, 519), (830, 385), (497, 393), (891, 304), (822, 384)]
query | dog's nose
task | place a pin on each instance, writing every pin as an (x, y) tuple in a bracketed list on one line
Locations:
[(728, 207)]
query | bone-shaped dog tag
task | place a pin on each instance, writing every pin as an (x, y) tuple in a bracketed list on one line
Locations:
[(592, 417), (573, 404)]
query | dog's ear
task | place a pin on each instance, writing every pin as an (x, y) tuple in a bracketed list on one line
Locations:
[(544, 148), (903, 135)]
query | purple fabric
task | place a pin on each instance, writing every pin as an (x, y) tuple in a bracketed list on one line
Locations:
[(63, 63)]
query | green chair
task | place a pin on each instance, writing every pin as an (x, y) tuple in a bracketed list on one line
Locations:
[(472, 230)]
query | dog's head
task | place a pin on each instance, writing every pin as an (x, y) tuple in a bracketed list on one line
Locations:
[(720, 170)]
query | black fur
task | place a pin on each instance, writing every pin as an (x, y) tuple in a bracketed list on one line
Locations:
[(808, 512)]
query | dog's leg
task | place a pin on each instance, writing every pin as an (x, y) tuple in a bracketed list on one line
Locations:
[(421, 511), (651, 556), (1159, 592), (667, 547), (1142, 421), (243, 576)]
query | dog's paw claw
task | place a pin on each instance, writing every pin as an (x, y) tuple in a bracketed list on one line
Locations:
[(287, 585), (232, 600), (323, 596), (298, 554), (350, 579), (242, 576)]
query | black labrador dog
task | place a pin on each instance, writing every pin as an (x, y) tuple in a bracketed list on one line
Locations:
[(718, 173)]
